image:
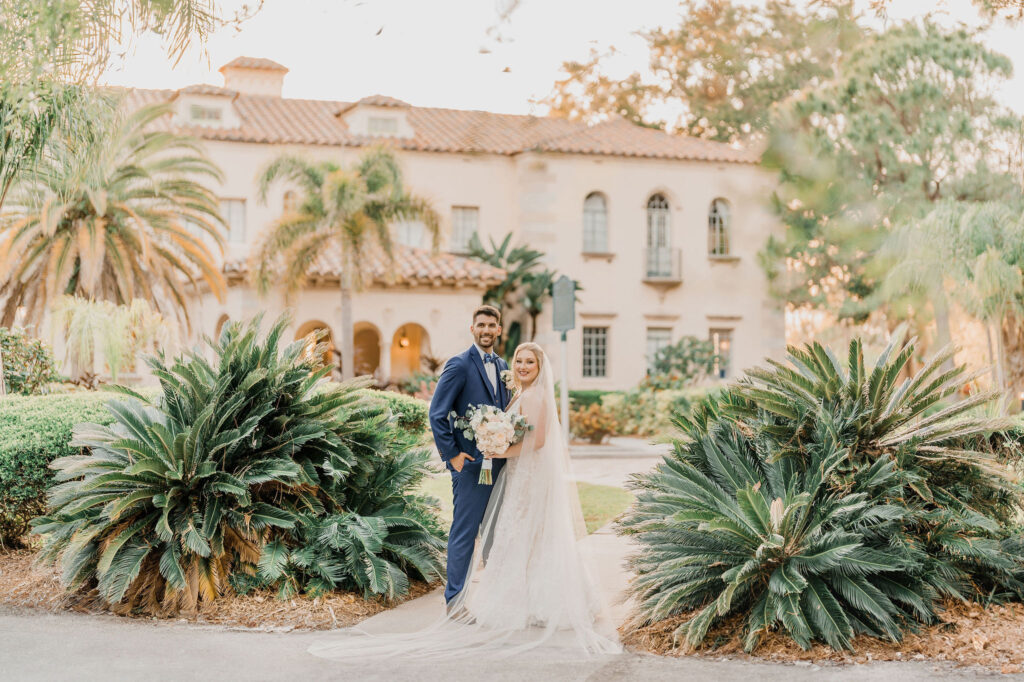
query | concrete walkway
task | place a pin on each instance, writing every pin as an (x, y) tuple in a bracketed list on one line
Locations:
[(38, 646)]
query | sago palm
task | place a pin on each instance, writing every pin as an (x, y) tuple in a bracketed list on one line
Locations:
[(827, 500), (349, 211), (181, 492), (119, 215)]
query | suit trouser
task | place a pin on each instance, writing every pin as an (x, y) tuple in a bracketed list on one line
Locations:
[(470, 502)]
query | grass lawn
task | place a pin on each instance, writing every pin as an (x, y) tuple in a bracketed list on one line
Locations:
[(601, 503)]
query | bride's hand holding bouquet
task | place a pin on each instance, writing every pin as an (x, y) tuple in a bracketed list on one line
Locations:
[(494, 432)]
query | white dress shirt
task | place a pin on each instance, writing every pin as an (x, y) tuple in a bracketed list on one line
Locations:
[(491, 368)]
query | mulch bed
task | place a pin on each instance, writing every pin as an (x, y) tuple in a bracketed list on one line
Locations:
[(25, 584), (966, 634)]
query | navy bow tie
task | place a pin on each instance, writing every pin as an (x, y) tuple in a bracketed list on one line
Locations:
[(490, 357)]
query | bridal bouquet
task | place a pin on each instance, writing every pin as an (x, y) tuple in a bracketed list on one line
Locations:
[(494, 431)]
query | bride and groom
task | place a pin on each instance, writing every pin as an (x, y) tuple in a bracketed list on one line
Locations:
[(516, 578)]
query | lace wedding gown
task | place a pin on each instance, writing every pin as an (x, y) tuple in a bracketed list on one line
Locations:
[(528, 584)]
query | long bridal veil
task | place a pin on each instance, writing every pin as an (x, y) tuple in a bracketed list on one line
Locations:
[(528, 584)]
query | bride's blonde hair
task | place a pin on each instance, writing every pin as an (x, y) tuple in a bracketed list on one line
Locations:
[(538, 353)]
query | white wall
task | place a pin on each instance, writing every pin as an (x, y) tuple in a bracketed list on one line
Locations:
[(540, 198)]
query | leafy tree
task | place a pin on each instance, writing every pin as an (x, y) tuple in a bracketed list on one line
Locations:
[(347, 210), (827, 501), (910, 119), (726, 67), (115, 217)]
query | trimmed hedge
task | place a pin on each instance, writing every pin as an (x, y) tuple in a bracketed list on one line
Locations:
[(413, 414), (584, 399), (35, 430)]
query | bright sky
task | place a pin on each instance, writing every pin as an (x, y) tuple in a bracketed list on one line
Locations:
[(439, 52)]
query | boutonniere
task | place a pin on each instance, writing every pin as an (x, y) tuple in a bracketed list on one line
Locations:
[(506, 378)]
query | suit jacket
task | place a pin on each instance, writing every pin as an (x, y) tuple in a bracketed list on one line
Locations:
[(463, 383)]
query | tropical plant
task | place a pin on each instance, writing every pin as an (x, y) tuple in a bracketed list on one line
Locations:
[(114, 217), (185, 490), (374, 555), (119, 333), (524, 291), (827, 501), (350, 211), (26, 364)]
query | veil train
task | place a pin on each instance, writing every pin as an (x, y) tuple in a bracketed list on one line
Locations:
[(528, 584)]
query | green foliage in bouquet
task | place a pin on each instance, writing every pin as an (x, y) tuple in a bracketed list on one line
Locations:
[(827, 501), (182, 493), (28, 364)]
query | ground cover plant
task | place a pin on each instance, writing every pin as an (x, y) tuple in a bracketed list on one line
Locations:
[(823, 501), (246, 471)]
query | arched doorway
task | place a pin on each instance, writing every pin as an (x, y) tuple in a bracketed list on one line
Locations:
[(308, 331), (367, 349), (408, 346)]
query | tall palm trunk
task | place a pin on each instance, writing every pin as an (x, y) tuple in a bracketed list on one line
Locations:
[(347, 333)]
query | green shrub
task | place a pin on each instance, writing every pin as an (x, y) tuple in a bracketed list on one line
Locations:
[(412, 413), (682, 364), (644, 411), (826, 502), (34, 431), (578, 399), (28, 363), (220, 480), (593, 423)]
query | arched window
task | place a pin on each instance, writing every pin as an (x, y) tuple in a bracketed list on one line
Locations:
[(659, 237), (291, 202), (718, 228), (595, 224)]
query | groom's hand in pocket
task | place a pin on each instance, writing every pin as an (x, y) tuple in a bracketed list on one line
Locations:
[(459, 461)]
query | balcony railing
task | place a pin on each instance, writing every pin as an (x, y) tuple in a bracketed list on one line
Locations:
[(664, 265)]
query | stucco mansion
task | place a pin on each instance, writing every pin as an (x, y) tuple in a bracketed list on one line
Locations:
[(661, 231)]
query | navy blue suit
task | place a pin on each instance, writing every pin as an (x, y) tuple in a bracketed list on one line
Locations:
[(463, 383)]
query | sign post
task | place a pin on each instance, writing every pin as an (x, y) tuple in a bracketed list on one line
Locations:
[(563, 295)]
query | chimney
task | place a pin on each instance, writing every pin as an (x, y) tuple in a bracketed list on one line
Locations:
[(254, 76)]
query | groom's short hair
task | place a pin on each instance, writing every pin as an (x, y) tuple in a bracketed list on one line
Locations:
[(489, 311)]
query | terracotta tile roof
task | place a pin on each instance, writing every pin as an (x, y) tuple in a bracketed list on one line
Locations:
[(204, 89), (383, 101), (275, 120), (410, 267), (619, 137), (253, 63)]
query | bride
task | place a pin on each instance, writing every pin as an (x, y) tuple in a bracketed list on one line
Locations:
[(528, 584)]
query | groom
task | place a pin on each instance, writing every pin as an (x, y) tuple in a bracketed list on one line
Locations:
[(470, 378)]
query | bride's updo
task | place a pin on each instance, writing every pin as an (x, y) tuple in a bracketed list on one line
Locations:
[(538, 353)]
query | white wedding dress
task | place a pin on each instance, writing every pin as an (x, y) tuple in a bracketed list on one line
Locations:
[(528, 584)]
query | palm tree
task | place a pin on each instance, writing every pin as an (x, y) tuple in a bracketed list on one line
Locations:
[(116, 216), (917, 259), (347, 209)]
